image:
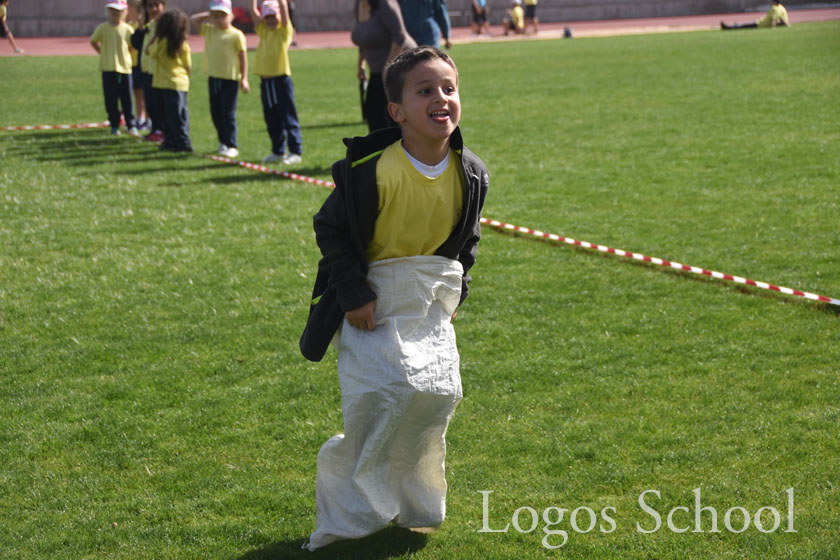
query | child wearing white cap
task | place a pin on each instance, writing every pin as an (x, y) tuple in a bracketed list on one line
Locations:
[(277, 93), (112, 40), (226, 62)]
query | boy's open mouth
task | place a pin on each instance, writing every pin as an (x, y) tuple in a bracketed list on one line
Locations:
[(440, 116)]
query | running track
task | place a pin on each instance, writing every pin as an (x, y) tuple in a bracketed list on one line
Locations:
[(53, 46)]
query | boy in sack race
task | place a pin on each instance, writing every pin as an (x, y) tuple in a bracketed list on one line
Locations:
[(398, 237)]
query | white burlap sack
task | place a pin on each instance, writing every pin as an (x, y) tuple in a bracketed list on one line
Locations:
[(400, 384)]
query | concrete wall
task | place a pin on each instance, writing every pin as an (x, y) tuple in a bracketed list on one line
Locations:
[(39, 18)]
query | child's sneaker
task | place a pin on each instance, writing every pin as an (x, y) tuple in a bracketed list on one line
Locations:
[(272, 157), (292, 159), (115, 131), (156, 136), (229, 152), (133, 131)]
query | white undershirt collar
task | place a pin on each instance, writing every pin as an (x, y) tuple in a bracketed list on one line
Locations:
[(431, 171)]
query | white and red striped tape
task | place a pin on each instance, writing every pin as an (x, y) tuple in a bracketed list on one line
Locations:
[(661, 262), (56, 126), (585, 244), (265, 169), (502, 225)]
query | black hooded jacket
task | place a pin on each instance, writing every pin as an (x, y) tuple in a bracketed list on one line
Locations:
[(344, 227)]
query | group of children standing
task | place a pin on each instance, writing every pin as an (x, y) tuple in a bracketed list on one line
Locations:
[(398, 236), (152, 57)]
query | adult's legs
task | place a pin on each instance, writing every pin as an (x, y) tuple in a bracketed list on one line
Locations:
[(376, 105)]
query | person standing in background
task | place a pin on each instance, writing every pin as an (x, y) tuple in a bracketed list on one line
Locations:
[(531, 15), (426, 21), (479, 21), (4, 29), (380, 34)]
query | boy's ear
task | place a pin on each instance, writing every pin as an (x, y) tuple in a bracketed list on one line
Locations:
[(396, 112)]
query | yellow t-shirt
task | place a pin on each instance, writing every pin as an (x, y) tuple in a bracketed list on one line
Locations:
[(273, 51), (221, 51), (114, 43), (518, 17), (416, 214), (147, 63), (2, 12), (531, 2), (777, 13), (171, 73)]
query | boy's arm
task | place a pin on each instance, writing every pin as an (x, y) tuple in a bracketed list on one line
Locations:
[(199, 18), (389, 16), (338, 239), (361, 70), (466, 256), (255, 11), (151, 43), (362, 317), (95, 40), (243, 69), (284, 13)]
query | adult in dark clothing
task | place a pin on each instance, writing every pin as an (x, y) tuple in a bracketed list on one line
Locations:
[(380, 34)]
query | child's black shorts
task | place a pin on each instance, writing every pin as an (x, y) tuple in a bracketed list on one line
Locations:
[(137, 78), (530, 11)]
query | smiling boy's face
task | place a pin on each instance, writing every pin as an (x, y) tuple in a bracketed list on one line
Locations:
[(430, 108)]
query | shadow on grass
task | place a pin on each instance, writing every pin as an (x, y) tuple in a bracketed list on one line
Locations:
[(333, 125), (391, 542)]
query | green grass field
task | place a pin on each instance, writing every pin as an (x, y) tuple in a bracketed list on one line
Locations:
[(153, 403)]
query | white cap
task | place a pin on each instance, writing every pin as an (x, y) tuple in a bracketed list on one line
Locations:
[(270, 8), (221, 6)]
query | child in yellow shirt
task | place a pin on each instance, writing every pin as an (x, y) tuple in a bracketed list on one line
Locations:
[(112, 40), (776, 16), (153, 10), (134, 17), (226, 62), (4, 28), (514, 20), (173, 60), (277, 93)]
